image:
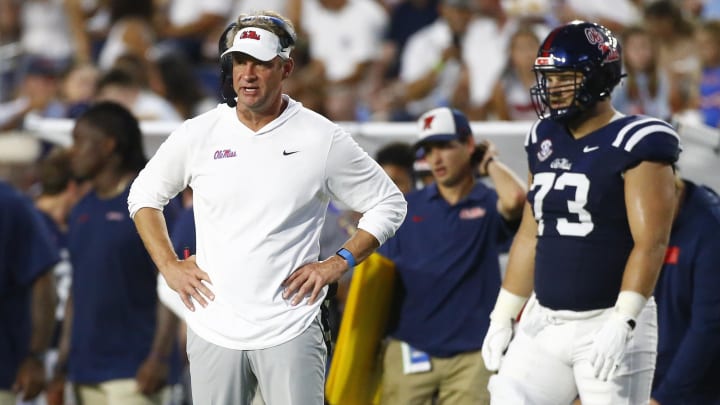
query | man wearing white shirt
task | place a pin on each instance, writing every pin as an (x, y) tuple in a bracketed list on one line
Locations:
[(262, 175)]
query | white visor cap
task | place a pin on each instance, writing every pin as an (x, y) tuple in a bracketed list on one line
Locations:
[(259, 43)]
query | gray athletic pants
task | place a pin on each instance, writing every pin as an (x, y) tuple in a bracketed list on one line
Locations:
[(292, 373)]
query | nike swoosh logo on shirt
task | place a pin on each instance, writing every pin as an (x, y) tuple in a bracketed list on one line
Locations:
[(587, 149), (286, 153)]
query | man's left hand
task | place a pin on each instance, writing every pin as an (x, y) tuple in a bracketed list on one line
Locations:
[(30, 379), (311, 278)]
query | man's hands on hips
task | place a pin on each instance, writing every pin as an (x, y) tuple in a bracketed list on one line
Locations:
[(186, 278), (609, 344), (310, 279), (496, 342)]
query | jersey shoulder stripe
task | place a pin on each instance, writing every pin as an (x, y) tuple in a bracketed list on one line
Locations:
[(531, 136), (636, 130)]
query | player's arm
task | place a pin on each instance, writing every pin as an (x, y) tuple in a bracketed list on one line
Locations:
[(183, 276), (650, 203), (30, 377), (519, 278), (153, 372)]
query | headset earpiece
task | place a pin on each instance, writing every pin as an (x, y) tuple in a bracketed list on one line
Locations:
[(226, 89)]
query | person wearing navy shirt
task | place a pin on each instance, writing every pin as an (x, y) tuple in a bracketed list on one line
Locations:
[(27, 296), (688, 362), (120, 337), (592, 238), (446, 255)]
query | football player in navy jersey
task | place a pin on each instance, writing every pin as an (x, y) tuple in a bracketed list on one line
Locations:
[(592, 238), (118, 349)]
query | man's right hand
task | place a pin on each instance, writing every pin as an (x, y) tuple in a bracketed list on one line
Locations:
[(496, 343), (186, 278)]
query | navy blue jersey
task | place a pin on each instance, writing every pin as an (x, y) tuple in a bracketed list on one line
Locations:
[(449, 275), (578, 200), (113, 289), (26, 253), (688, 362)]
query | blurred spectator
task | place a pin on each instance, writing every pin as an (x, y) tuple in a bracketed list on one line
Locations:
[(708, 37), (181, 86), (344, 38), (131, 31), (45, 31), (434, 58), (38, 88), (77, 90), (446, 255), (613, 14), (688, 362), (120, 86), (193, 27), (27, 297), (486, 58), (406, 18), (511, 96), (9, 21), (678, 52), (645, 88), (120, 338), (59, 193), (397, 160)]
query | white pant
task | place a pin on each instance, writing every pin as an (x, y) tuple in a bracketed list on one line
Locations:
[(547, 360)]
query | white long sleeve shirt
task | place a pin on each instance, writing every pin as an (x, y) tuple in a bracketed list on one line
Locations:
[(260, 200)]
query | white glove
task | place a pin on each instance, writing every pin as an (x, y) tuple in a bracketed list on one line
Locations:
[(609, 344), (496, 343), (500, 331)]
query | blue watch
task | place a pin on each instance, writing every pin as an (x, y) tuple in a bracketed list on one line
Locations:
[(345, 254)]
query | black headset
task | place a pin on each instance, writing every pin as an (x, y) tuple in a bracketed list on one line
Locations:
[(226, 62)]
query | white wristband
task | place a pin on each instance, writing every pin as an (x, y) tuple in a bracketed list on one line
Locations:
[(630, 303), (507, 306)]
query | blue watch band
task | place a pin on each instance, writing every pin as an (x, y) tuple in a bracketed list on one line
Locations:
[(345, 254)]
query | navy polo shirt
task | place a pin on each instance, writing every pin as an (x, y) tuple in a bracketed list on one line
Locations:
[(26, 253), (449, 274), (688, 362), (114, 290)]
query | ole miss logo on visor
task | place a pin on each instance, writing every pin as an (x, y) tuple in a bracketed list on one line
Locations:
[(250, 35)]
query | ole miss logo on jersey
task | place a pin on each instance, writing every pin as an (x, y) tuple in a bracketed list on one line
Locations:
[(250, 35)]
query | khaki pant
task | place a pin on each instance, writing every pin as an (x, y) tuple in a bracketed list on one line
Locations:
[(116, 392), (7, 398), (458, 380)]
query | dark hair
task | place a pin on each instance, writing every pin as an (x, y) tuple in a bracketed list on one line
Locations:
[(667, 9), (181, 85), (55, 172), (116, 77), (115, 121), (397, 153), (131, 8)]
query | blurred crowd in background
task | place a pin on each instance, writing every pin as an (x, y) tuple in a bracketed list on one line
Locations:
[(356, 60)]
